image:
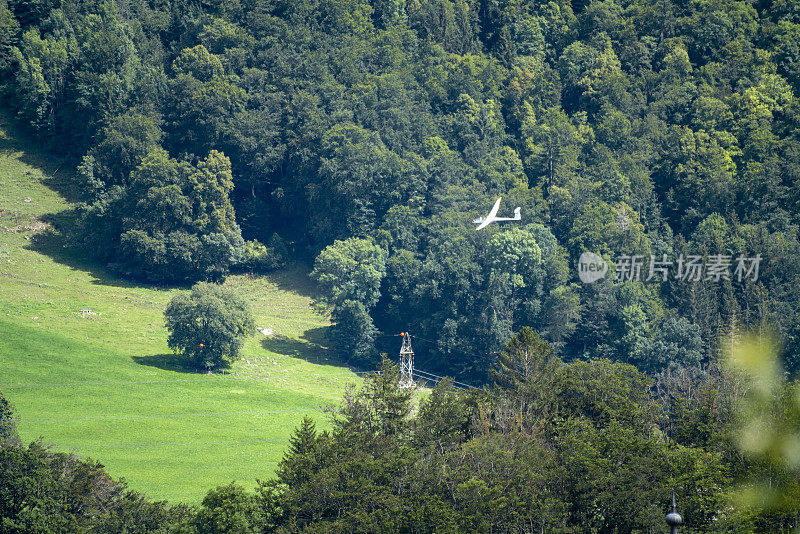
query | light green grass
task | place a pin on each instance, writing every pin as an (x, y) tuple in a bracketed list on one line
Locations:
[(106, 386)]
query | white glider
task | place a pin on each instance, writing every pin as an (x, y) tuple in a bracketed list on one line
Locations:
[(483, 222)]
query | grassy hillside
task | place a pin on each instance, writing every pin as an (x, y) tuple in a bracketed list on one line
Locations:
[(105, 384)]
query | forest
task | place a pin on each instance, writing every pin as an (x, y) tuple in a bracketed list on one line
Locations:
[(246, 133), (362, 136)]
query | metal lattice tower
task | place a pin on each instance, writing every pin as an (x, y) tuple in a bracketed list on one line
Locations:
[(406, 362)]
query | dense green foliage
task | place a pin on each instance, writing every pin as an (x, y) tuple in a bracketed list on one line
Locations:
[(173, 221), (209, 325), (349, 273), (619, 126), (365, 135), (588, 446), (8, 424)]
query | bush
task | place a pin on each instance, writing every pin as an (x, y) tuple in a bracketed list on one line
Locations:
[(257, 258)]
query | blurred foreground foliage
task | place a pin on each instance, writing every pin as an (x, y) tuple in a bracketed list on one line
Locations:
[(768, 432)]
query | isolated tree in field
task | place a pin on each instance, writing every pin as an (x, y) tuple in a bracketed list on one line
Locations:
[(209, 325)]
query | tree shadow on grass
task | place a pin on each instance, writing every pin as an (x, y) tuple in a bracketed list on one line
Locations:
[(56, 170), (55, 245), (57, 174), (294, 278), (168, 362), (294, 348), (317, 336), (311, 347)]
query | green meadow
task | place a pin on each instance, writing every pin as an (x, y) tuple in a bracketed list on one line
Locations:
[(103, 384)]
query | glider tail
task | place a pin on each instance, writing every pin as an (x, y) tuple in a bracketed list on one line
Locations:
[(518, 214)]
